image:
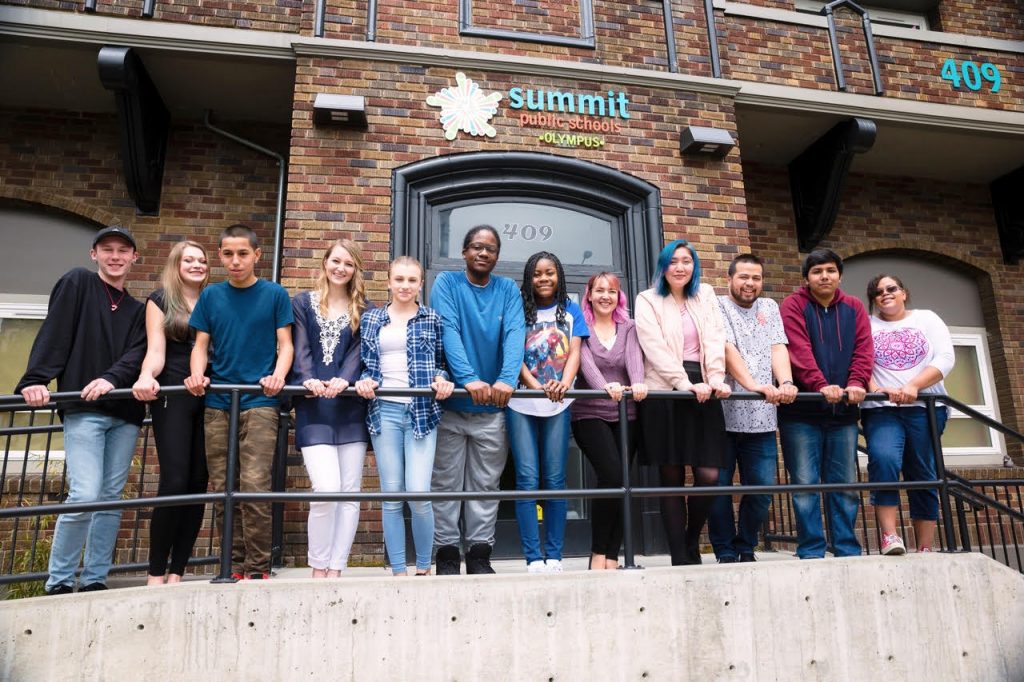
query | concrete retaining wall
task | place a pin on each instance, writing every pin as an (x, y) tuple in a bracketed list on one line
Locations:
[(917, 617)]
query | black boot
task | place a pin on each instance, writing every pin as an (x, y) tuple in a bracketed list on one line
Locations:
[(478, 559), (448, 560)]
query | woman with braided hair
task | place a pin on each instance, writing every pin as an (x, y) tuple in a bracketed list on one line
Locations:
[(539, 428)]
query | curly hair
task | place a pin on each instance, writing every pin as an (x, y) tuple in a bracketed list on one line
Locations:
[(356, 285), (561, 295)]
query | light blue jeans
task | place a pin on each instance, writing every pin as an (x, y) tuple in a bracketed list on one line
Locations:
[(98, 454), (820, 453), (540, 448), (404, 464)]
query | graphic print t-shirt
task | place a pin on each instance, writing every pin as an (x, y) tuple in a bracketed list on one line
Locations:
[(903, 349), (545, 355)]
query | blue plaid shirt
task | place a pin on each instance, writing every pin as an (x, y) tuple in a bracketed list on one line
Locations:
[(425, 355)]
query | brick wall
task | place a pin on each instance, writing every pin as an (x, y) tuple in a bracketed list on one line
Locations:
[(951, 223)]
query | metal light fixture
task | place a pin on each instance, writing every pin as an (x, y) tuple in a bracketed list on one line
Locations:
[(702, 141), (339, 110)]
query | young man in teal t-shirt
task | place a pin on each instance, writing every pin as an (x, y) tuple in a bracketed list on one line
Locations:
[(247, 323)]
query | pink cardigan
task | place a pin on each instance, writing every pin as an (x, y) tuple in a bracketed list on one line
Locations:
[(660, 331)]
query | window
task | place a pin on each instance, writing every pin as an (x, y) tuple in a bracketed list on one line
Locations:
[(966, 440), (19, 324), (902, 18)]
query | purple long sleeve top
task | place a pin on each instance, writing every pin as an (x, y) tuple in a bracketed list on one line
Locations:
[(599, 366)]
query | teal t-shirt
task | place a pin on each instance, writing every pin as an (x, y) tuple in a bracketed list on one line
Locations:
[(242, 324)]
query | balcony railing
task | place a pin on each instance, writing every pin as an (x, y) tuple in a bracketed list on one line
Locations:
[(989, 514)]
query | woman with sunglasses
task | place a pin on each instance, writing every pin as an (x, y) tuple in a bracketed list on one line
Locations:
[(913, 354)]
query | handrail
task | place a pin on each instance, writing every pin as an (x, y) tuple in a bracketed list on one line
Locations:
[(949, 484), (983, 418)]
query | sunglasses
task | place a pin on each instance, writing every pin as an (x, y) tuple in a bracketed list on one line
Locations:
[(891, 289)]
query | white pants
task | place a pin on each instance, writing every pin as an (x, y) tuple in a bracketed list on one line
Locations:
[(332, 525)]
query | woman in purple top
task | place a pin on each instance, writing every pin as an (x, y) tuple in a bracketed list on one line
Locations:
[(330, 430), (610, 359)]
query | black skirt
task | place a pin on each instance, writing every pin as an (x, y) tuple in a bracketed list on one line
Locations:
[(678, 432)]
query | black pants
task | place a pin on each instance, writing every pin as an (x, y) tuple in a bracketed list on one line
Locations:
[(599, 441), (178, 431)]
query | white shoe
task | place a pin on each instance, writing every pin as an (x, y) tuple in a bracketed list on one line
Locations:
[(554, 566), (537, 566)]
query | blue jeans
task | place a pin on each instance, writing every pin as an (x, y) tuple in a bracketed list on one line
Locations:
[(899, 440), (756, 454), (98, 454), (405, 464), (540, 447), (819, 453)]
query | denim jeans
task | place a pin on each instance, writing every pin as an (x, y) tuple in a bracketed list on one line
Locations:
[(756, 454), (540, 448), (821, 453), (899, 440), (98, 454), (405, 463)]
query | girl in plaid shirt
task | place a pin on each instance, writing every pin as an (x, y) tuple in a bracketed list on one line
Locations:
[(401, 348)]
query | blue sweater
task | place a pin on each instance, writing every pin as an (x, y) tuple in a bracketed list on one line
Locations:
[(484, 332)]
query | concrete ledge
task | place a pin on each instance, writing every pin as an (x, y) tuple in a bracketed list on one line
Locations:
[(917, 617)]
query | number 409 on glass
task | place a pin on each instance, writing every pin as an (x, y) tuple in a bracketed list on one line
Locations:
[(971, 74)]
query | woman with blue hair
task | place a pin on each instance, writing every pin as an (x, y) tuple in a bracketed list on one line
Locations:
[(680, 329)]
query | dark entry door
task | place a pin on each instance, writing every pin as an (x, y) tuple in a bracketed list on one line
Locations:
[(592, 217)]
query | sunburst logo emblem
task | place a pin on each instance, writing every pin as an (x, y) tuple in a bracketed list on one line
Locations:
[(465, 107)]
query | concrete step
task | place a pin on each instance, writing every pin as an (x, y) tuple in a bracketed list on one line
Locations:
[(942, 617)]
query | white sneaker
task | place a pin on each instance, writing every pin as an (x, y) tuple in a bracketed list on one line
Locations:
[(537, 566), (892, 545), (554, 566)]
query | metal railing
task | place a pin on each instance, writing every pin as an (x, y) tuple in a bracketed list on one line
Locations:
[(993, 519)]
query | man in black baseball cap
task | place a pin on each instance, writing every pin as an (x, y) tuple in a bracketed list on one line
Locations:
[(114, 231)]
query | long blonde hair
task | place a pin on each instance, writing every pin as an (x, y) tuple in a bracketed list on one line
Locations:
[(356, 285), (177, 311)]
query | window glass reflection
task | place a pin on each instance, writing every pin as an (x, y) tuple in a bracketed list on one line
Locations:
[(576, 238)]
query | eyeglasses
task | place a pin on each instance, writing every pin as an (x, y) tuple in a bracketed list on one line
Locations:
[(488, 248), (891, 289)]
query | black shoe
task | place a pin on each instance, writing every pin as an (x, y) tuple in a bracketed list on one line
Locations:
[(729, 559), (478, 559), (92, 587), (744, 558), (61, 589), (449, 562)]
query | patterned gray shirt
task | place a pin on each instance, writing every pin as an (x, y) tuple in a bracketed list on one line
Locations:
[(753, 331)]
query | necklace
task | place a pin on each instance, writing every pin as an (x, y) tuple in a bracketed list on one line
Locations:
[(113, 303)]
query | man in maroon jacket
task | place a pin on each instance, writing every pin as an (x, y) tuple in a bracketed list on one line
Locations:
[(831, 352)]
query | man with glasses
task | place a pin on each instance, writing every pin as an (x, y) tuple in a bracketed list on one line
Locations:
[(831, 351), (484, 334)]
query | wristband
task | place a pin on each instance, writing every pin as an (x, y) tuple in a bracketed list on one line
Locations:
[(787, 382)]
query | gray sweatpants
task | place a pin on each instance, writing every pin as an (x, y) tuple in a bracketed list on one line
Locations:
[(471, 451)]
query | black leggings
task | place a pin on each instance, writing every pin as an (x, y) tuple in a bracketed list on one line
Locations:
[(599, 441), (178, 432), (684, 518)]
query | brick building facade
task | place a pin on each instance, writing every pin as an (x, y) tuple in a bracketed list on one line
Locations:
[(921, 193)]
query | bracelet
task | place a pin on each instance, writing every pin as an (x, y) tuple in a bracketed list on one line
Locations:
[(787, 383)]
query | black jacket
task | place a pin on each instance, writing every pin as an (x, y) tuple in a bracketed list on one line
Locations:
[(83, 339)]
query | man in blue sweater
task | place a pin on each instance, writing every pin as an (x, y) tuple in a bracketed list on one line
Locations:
[(484, 334)]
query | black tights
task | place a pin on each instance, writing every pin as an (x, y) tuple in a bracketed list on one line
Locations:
[(684, 518), (180, 448)]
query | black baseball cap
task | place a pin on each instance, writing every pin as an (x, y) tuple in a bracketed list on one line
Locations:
[(116, 231)]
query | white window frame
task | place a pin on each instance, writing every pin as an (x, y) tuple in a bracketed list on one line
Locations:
[(28, 310), (878, 15), (977, 338)]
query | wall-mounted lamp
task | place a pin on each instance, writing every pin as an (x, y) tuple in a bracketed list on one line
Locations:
[(705, 141), (340, 110)]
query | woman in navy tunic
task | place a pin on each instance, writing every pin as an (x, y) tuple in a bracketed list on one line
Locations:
[(331, 430)]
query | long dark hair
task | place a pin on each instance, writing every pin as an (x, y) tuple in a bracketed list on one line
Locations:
[(529, 302)]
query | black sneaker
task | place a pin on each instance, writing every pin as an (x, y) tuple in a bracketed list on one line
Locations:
[(449, 561), (729, 559), (60, 589), (92, 587), (745, 558), (478, 559)]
